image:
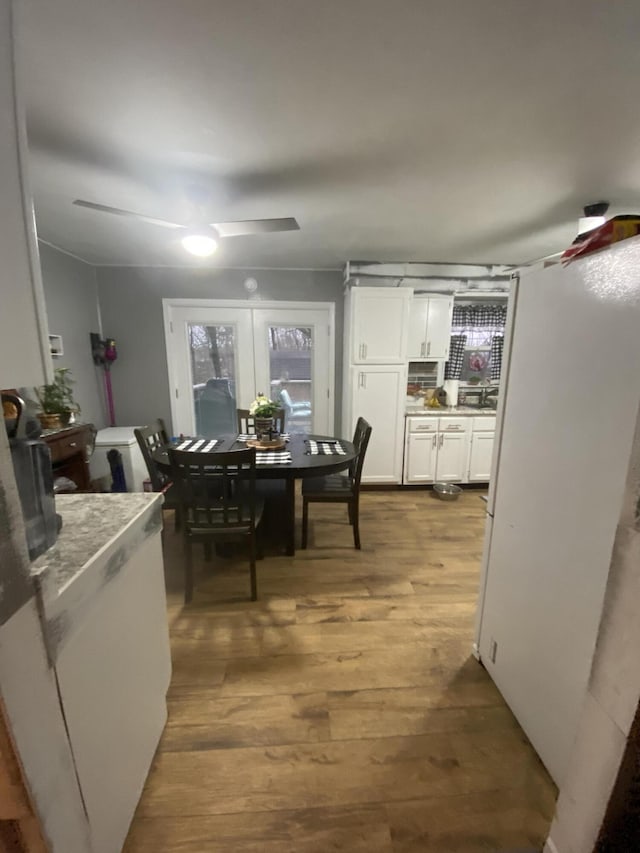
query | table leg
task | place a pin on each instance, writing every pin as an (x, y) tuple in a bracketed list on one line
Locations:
[(291, 516)]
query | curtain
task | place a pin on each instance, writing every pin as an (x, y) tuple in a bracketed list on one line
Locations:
[(495, 357), (474, 316), (453, 367)]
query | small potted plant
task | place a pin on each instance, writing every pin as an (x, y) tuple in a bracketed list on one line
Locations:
[(56, 400), (263, 409)]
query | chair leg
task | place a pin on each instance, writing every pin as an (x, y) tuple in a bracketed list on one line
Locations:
[(350, 511), (252, 566), (305, 521), (355, 512), (188, 571)]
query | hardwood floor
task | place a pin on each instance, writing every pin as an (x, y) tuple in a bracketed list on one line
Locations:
[(343, 710)]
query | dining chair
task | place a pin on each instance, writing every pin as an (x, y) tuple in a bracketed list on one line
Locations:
[(230, 512), (151, 438), (247, 422), (339, 488)]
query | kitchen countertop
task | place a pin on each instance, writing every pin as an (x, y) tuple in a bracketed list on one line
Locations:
[(99, 534), (449, 411)]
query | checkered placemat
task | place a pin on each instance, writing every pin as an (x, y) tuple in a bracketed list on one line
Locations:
[(273, 457), (325, 448), (199, 445), (245, 437)]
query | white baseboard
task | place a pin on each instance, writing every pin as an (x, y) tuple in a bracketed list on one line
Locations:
[(550, 847)]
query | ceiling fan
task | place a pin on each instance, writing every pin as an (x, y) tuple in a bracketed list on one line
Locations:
[(202, 240)]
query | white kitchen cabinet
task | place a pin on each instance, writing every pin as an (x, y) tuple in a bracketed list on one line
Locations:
[(420, 457), (377, 394), (429, 327), (480, 456), (379, 321), (451, 464), (24, 344)]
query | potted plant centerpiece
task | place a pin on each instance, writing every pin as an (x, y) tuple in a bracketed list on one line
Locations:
[(56, 400), (263, 409)]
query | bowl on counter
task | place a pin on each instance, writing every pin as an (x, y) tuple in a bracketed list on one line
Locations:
[(447, 491)]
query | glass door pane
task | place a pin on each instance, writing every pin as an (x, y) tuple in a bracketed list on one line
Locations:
[(213, 372), (211, 368), (294, 363), (290, 374)]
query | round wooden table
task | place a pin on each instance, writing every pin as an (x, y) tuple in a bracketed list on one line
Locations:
[(302, 465)]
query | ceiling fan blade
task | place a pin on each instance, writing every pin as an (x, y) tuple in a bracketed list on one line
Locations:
[(255, 226), (117, 211)]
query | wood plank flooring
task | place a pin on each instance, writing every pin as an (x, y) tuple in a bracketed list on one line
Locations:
[(343, 710)]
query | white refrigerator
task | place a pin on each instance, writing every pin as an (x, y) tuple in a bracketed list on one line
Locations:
[(568, 407)]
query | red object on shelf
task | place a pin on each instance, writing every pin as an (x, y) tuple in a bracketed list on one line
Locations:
[(613, 231)]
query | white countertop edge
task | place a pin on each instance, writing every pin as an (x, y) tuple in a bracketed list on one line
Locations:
[(64, 605), (448, 411)]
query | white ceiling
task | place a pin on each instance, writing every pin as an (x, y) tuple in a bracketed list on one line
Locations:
[(391, 129)]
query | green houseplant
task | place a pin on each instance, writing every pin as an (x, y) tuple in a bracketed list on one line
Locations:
[(263, 409), (56, 400)]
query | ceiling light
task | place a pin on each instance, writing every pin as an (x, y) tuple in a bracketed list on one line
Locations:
[(594, 216), (200, 243)]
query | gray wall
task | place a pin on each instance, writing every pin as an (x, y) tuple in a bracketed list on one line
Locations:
[(71, 296), (131, 306)]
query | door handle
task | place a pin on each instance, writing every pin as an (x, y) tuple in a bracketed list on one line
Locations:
[(441, 439), (435, 441)]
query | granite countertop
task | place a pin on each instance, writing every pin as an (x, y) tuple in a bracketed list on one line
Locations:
[(99, 534), (450, 411)]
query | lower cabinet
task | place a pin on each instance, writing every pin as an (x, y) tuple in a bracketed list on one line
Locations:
[(451, 461), (420, 457), (377, 394), (480, 457), (449, 448)]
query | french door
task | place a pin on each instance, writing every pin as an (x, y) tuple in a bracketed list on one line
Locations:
[(221, 354)]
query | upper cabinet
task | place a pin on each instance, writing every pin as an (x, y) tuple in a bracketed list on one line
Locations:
[(24, 343), (379, 321), (430, 327)]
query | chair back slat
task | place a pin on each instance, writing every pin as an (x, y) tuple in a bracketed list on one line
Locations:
[(151, 438), (216, 490), (361, 437), (247, 422)]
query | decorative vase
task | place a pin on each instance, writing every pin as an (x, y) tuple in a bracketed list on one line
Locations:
[(263, 425), (49, 421)]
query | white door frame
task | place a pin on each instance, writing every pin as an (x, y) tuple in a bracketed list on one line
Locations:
[(172, 373)]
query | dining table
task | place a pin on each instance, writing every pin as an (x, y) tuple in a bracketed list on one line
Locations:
[(302, 463)]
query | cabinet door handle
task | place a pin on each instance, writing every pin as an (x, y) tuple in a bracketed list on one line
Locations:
[(360, 352), (72, 444), (429, 348), (441, 439), (422, 348), (364, 380), (435, 441), (364, 351)]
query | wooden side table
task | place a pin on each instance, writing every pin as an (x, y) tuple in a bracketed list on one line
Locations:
[(68, 448)]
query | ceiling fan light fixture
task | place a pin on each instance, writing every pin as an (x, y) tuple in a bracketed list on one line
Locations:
[(200, 243)]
